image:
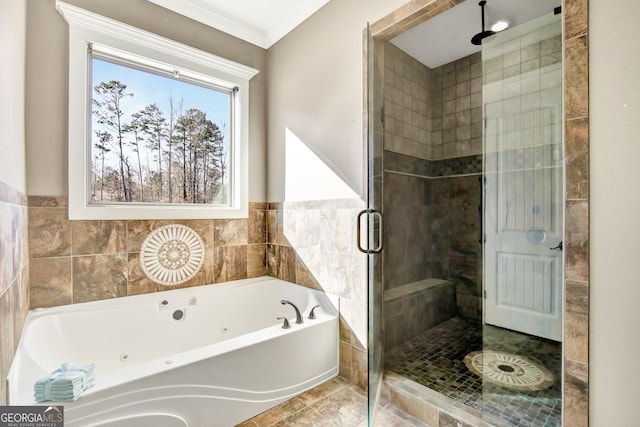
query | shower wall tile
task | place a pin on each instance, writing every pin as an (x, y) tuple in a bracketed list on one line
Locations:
[(407, 101), (576, 321), (576, 246), (577, 158), (576, 395), (77, 261), (408, 237), (576, 78), (576, 121), (14, 276), (576, 18), (452, 100)]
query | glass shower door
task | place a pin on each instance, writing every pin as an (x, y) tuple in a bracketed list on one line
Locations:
[(373, 248), (524, 180), (523, 223)]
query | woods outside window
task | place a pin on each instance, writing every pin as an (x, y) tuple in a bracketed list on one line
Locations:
[(157, 129)]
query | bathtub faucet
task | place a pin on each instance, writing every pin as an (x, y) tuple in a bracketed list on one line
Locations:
[(298, 315)]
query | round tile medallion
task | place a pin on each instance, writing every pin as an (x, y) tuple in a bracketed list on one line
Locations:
[(509, 370), (172, 254)]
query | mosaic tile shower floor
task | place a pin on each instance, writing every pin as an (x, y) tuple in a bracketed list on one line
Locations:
[(436, 360)]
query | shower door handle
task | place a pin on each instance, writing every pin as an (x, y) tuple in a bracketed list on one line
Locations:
[(378, 247), (377, 215)]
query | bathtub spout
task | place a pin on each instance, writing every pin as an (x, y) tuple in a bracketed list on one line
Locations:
[(298, 315)]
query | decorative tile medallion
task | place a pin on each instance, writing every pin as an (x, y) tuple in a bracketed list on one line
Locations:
[(509, 370), (172, 254)]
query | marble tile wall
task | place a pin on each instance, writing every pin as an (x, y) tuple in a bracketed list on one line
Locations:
[(80, 261), (576, 130), (313, 243), (14, 276)]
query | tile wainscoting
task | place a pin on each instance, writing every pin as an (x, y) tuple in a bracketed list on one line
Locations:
[(14, 276), (311, 243), (80, 261)]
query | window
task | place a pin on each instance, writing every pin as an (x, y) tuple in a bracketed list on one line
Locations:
[(157, 129)]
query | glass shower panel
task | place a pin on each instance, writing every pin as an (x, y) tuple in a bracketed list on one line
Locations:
[(373, 219), (523, 225)]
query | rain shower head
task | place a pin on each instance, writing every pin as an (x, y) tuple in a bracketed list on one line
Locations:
[(477, 39)]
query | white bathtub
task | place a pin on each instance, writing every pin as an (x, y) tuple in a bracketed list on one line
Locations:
[(226, 360)]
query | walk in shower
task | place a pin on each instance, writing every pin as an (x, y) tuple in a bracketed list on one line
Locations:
[(466, 167)]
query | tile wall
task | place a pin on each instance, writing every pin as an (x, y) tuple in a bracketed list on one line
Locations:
[(309, 243), (80, 261), (313, 243), (431, 196), (435, 225), (435, 222), (14, 276), (456, 108), (576, 129), (407, 104)]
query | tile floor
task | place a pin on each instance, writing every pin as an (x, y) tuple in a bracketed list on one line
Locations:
[(436, 360), (336, 402)]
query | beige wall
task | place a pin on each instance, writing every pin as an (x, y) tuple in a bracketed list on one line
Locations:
[(12, 80), (46, 113), (315, 90), (615, 215)]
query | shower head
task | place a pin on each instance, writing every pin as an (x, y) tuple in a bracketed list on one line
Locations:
[(477, 39)]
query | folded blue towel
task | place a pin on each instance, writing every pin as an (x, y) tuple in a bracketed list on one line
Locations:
[(64, 384)]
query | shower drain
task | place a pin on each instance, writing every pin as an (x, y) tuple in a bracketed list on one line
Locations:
[(509, 370)]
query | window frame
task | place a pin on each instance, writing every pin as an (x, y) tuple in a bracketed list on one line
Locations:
[(89, 31)]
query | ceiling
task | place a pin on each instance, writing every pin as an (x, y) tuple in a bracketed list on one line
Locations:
[(437, 41), (447, 36), (261, 22)]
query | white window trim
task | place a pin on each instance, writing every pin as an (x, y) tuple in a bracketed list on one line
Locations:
[(88, 28)]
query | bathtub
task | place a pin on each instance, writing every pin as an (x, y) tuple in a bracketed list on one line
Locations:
[(212, 355)]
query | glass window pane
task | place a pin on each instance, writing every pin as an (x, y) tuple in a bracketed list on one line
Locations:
[(157, 138)]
